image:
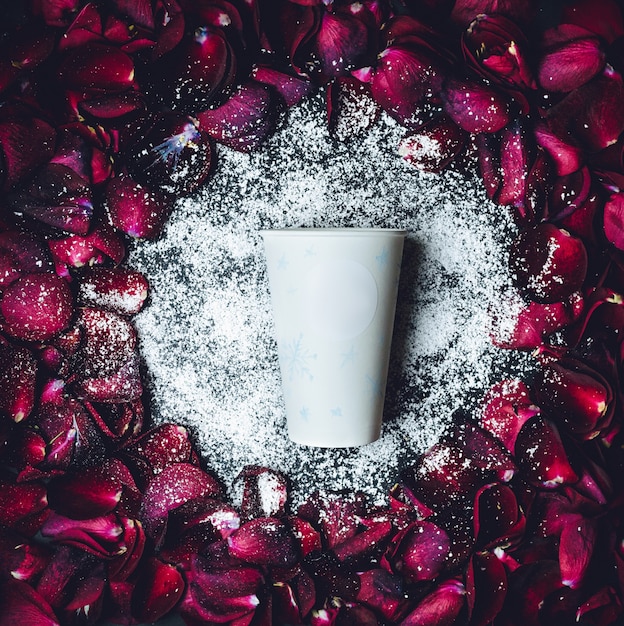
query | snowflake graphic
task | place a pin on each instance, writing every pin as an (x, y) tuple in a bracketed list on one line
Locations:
[(298, 359), (336, 412), (374, 386), (348, 357), (382, 258), (283, 263), (305, 413)]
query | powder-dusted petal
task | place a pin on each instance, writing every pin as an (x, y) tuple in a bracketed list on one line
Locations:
[(515, 162), (176, 484), (475, 106), (115, 108), (571, 57), (90, 493), (440, 607), (432, 147), (96, 66), (137, 210), (383, 592), (568, 193), (307, 537), (246, 120), (36, 307), (420, 551), (366, 543), (18, 501), (264, 492), (548, 263), (351, 108), (505, 408), (18, 371), (291, 88), (541, 455), (265, 541), (117, 289), (158, 589)]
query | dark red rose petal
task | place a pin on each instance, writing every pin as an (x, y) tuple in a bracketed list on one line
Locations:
[(603, 17), (383, 592), (18, 501), (475, 106), (21, 559), (118, 289), (440, 607), (548, 263), (614, 220), (36, 307), (560, 145), (351, 108), (498, 519), (159, 587), (486, 587), (292, 89), (18, 371), (264, 492), (576, 548), (137, 210), (21, 604)]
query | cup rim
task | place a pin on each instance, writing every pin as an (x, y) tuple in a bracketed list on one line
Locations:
[(332, 231)]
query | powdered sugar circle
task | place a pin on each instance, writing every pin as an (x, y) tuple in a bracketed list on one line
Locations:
[(207, 337)]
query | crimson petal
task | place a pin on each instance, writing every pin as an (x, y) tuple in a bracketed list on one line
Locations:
[(498, 519), (176, 484), (486, 587), (560, 145), (290, 88), (441, 607), (113, 109), (18, 371), (475, 106), (137, 210), (21, 559), (571, 57), (118, 289), (36, 307), (383, 592), (541, 455), (614, 219), (158, 589), (21, 604), (264, 492), (548, 263), (576, 548), (265, 541), (351, 108)]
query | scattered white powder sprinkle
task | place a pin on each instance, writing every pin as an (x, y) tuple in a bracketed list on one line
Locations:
[(206, 335)]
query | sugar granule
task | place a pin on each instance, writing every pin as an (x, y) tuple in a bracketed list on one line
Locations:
[(207, 336)]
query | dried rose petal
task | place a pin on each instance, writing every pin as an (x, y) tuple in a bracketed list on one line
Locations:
[(576, 548), (603, 17), (560, 145), (441, 606), (486, 587), (264, 492), (498, 519), (365, 544), (170, 153), (505, 408), (117, 289), (614, 220), (541, 455), (420, 551), (291, 88), (603, 607), (36, 307), (383, 592), (265, 541), (175, 485), (18, 501), (246, 120), (575, 395), (351, 108), (20, 602), (464, 11), (475, 106), (25, 254), (307, 537), (158, 589), (571, 57), (114, 109), (137, 210), (548, 263), (432, 147), (18, 371)]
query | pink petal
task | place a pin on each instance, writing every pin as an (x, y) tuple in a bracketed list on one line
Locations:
[(290, 88), (176, 484), (91, 493), (441, 607), (541, 455), (572, 56), (515, 162), (560, 145), (548, 263), (159, 587), (265, 541), (246, 120), (18, 371), (434, 145), (118, 289), (36, 307), (137, 210), (264, 492), (475, 106), (21, 604), (96, 66)]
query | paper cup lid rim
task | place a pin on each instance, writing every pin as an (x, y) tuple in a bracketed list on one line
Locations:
[(334, 231)]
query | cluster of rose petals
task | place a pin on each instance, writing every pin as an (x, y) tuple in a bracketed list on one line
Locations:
[(112, 110)]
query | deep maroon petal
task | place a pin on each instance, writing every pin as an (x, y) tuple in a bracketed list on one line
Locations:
[(541, 455), (292, 89), (614, 220), (265, 541), (113, 109), (264, 492), (159, 587), (560, 145), (21, 604), (603, 17), (364, 544), (137, 210), (36, 307), (486, 587), (351, 108), (96, 66), (548, 263), (18, 370), (475, 106), (576, 548), (21, 559), (441, 607), (498, 519), (572, 56)]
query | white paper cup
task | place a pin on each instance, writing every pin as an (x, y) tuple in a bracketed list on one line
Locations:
[(333, 292)]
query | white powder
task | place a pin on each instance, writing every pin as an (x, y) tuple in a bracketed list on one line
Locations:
[(206, 335)]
